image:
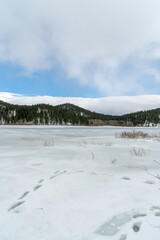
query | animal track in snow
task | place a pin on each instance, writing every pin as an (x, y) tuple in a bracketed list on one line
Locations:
[(41, 180), (149, 182), (157, 214), (57, 173), (36, 164), (52, 177), (37, 187), (155, 208), (123, 237), (15, 205), (92, 173), (137, 215), (126, 178), (24, 195), (136, 226), (62, 172)]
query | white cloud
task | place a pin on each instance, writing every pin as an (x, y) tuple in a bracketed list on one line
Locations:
[(90, 40), (107, 105)]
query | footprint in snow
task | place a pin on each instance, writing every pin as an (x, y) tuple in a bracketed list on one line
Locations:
[(37, 187), (123, 237), (155, 208), (36, 164), (62, 172), (15, 205), (52, 177), (157, 214), (149, 182), (41, 180), (126, 178), (137, 215), (24, 195), (57, 173), (136, 226), (92, 173)]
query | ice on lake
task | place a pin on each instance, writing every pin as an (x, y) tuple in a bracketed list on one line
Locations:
[(78, 183)]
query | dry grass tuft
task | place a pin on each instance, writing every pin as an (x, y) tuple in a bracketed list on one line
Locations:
[(136, 134), (49, 143), (139, 152)]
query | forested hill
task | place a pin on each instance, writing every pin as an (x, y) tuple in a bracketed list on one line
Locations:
[(144, 118), (70, 114), (46, 114)]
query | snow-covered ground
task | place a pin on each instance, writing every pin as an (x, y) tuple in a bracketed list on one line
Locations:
[(78, 183)]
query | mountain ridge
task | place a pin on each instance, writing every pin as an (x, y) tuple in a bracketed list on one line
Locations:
[(112, 105), (70, 114)]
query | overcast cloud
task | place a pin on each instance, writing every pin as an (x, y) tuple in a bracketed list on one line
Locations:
[(109, 44)]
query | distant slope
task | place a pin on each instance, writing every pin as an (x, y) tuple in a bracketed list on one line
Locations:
[(69, 114)]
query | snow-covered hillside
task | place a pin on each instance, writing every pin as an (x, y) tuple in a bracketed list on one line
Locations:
[(78, 183)]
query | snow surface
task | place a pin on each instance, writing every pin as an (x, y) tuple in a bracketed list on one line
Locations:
[(78, 183)]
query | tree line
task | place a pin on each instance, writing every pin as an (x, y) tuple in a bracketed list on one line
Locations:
[(68, 114)]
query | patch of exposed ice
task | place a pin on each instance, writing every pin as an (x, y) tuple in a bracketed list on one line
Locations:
[(112, 226)]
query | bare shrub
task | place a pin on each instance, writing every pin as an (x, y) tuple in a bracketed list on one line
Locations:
[(139, 152), (136, 134), (49, 142)]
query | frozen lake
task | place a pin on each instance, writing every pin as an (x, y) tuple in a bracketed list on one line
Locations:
[(78, 183)]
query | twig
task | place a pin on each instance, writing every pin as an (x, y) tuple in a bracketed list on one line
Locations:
[(92, 155), (156, 162), (156, 176)]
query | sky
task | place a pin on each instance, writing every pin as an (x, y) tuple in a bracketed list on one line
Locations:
[(83, 48)]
